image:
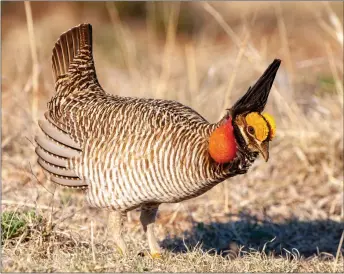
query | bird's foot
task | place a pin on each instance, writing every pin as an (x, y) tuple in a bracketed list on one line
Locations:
[(156, 255), (153, 255)]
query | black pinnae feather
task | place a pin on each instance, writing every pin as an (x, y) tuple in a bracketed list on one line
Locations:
[(256, 97)]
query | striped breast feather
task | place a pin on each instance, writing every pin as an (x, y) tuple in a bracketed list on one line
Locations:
[(54, 150)]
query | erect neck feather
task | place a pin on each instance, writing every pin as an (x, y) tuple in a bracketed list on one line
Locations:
[(222, 143)]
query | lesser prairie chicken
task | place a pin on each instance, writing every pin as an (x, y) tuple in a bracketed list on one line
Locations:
[(132, 153)]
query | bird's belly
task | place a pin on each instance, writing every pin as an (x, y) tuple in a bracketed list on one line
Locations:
[(161, 174), (124, 187)]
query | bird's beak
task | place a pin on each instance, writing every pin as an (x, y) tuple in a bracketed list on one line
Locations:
[(263, 149)]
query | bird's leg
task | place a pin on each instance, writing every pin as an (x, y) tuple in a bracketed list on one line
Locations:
[(147, 218), (115, 228)]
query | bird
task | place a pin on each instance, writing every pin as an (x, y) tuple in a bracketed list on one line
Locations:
[(131, 153)]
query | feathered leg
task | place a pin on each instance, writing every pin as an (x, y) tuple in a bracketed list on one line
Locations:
[(147, 218), (115, 227)]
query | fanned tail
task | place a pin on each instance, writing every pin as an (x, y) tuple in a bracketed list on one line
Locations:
[(74, 73), (73, 68), (75, 45)]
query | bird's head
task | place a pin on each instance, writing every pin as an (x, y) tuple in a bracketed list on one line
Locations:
[(256, 131), (245, 125)]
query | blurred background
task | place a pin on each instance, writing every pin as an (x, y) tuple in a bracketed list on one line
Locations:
[(205, 55)]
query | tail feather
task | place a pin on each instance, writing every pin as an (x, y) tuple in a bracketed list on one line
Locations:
[(69, 46)]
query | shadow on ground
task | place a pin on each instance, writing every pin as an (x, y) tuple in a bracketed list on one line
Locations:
[(301, 238)]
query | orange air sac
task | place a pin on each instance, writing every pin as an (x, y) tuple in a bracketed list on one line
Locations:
[(222, 144)]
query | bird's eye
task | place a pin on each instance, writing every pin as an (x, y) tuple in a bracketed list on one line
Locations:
[(250, 130)]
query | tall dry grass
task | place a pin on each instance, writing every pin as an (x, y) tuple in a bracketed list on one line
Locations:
[(289, 207)]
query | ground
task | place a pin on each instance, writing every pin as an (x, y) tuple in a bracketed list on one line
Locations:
[(285, 215)]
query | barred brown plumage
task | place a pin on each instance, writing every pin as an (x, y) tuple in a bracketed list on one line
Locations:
[(134, 152)]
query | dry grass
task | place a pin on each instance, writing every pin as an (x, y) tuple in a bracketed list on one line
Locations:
[(283, 216)]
